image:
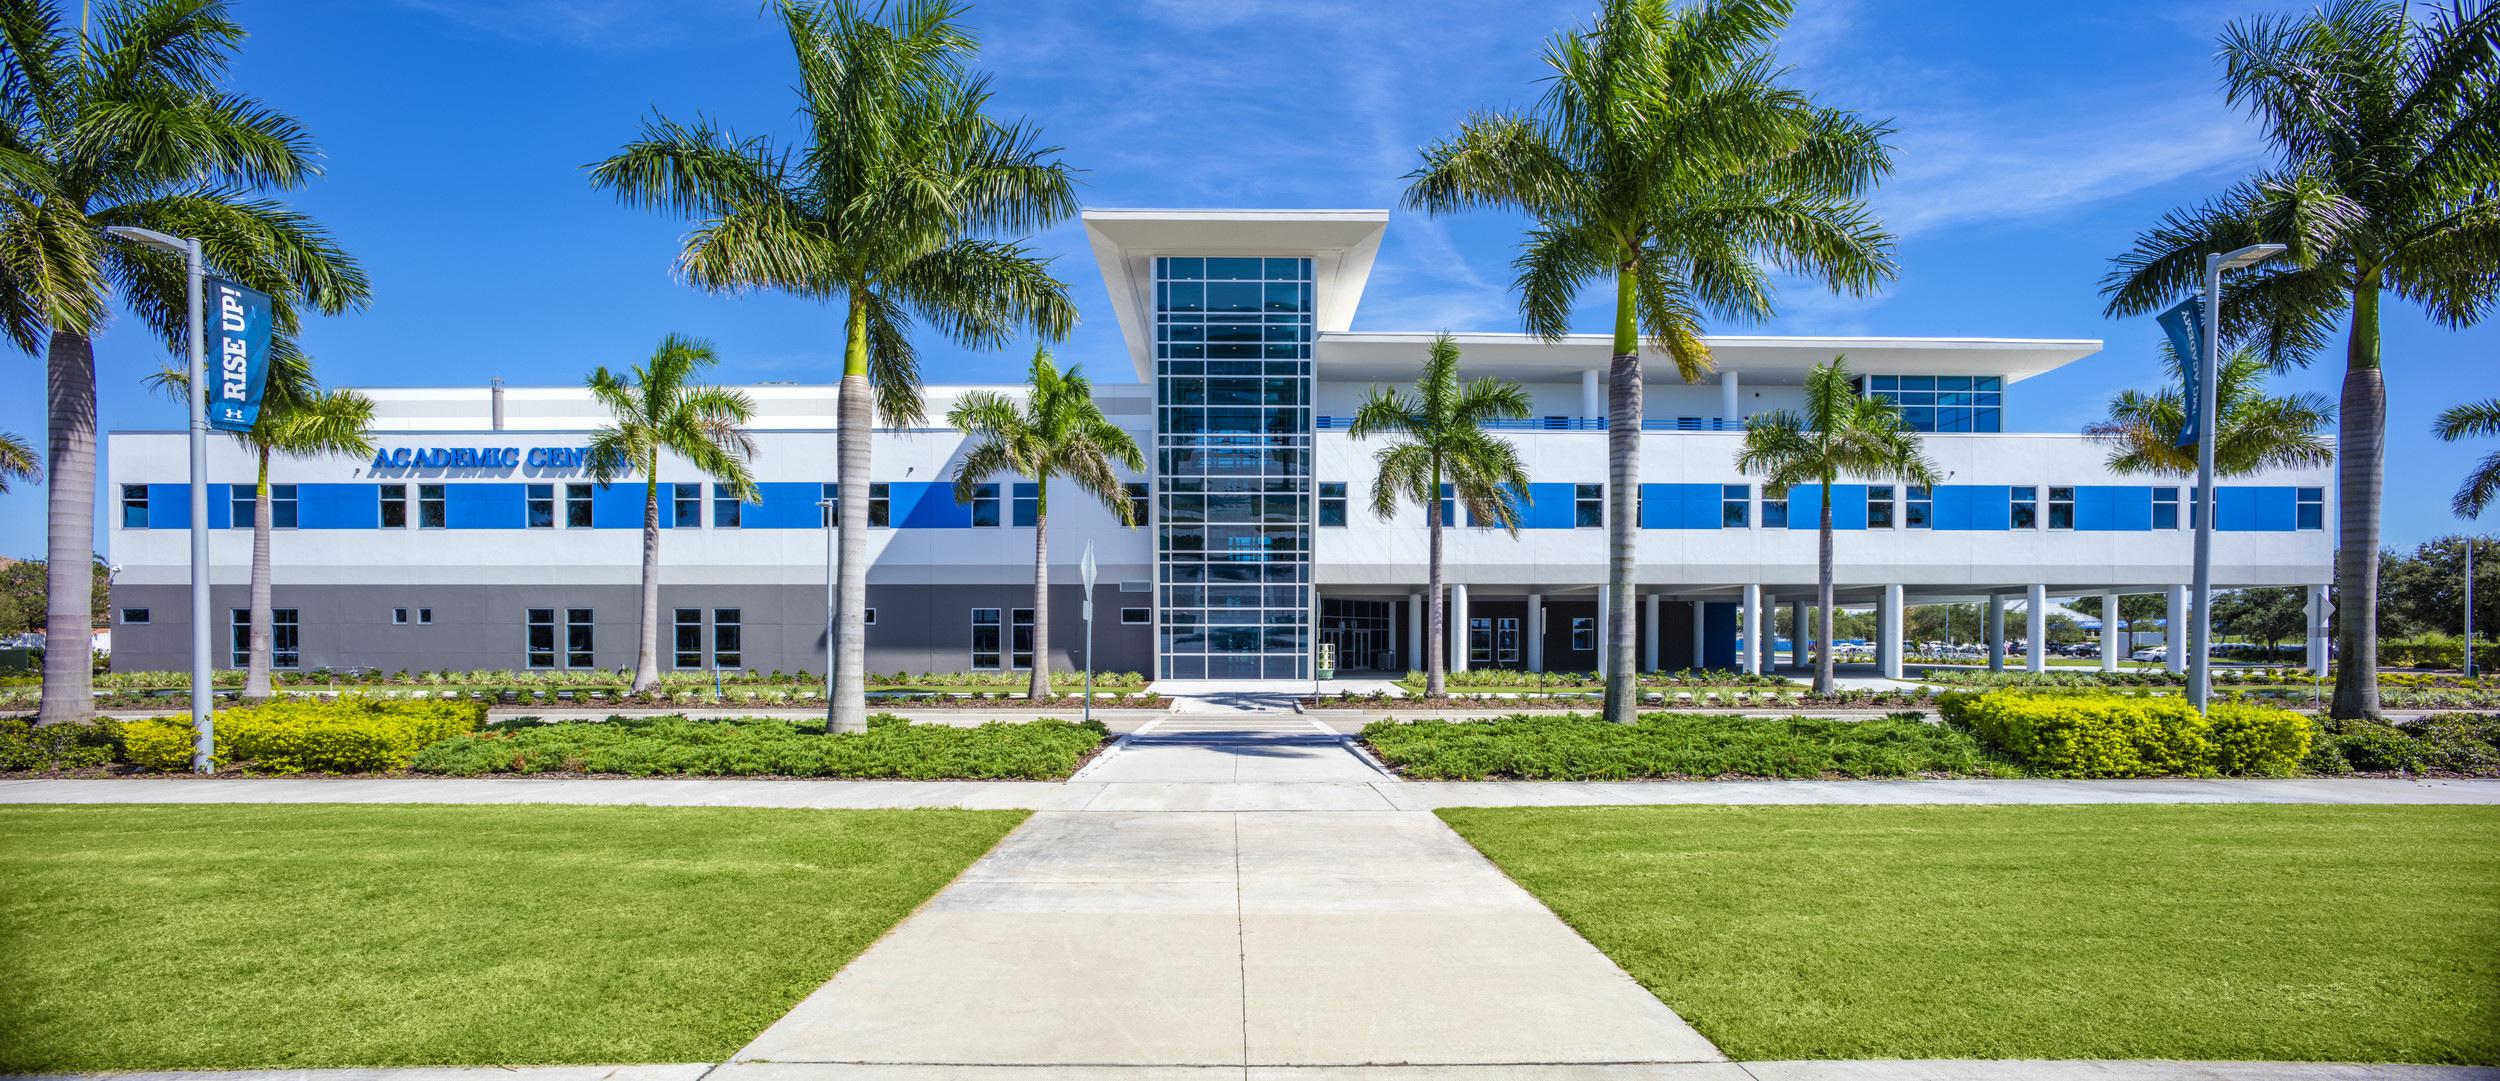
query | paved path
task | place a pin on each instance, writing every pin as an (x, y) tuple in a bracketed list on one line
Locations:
[(1856, 1070)]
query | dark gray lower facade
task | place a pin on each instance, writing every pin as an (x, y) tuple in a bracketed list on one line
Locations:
[(917, 628)]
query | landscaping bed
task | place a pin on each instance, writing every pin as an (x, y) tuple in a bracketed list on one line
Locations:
[(1582, 747), (131, 691), (233, 937), (1693, 698), (2250, 932)]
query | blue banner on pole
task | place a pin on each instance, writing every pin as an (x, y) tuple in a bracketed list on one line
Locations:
[(2184, 322), (238, 354)]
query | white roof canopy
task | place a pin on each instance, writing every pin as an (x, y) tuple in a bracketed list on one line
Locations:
[(1340, 243)]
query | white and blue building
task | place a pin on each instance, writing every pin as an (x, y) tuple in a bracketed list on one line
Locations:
[(473, 539)]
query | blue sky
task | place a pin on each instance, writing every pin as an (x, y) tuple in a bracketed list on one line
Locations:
[(456, 132)]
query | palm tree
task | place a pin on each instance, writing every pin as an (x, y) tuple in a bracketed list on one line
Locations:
[(2483, 484), (18, 461), (2258, 431), (1667, 154), (893, 204), (129, 125), (1058, 431), (1839, 434), (297, 420), (2387, 180), (1438, 441), (656, 410)]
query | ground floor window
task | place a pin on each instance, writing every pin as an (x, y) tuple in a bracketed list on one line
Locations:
[(577, 651), (1583, 634), (1480, 640), (542, 638), (1134, 616), (135, 616), (985, 641), (1022, 639), (687, 643), (728, 639), (285, 641)]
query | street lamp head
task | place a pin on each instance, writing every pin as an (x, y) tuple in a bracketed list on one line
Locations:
[(149, 237), (2252, 255)]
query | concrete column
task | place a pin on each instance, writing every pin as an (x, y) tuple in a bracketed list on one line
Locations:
[(1592, 394), (1797, 634), (2036, 629), (2174, 632), (1457, 628), (2112, 642), (1700, 655), (1888, 633), (1765, 643), (1650, 628), (1996, 632), (1752, 620), (1731, 399), (2316, 658), (1415, 645), (1602, 637), (1536, 632)]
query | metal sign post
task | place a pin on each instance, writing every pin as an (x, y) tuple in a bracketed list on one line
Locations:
[(1088, 566)]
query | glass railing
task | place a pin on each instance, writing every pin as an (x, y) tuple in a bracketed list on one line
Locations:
[(1573, 424)]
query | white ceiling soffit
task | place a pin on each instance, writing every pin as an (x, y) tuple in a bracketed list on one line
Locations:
[(1340, 243), (1380, 355)]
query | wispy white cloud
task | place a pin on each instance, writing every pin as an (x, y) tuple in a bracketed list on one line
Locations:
[(608, 24), (1982, 168)]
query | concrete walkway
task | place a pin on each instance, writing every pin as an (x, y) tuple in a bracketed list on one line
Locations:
[(1853, 1070)]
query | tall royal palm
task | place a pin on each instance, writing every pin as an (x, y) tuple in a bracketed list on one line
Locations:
[(1667, 157), (2386, 181), (18, 461), (1839, 434), (1057, 431), (2258, 430), (131, 126), (1437, 441), (654, 409), (2483, 484), (894, 205)]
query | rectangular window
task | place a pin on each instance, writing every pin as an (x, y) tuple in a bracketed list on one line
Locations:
[(868, 617), (1943, 403), (282, 506), (724, 506), (138, 617), (1480, 640), (1735, 505), (1588, 506), (134, 506), (285, 641), (542, 506), (1028, 505), (2310, 504), (2024, 506), (685, 506), (576, 506), (985, 641), (1332, 503), (1583, 633), (425, 617), (2165, 508), (686, 644), (1138, 502), (1879, 506), (241, 506), (984, 504), (542, 638), (394, 503), (1774, 511), (728, 639), (880, 506), (430, 506), (1021, 640), (1129, 617), (577, 652), (399, 616), (1920, 510), (2061, 508)]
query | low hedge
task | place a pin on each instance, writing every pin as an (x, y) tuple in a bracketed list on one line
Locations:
[(25, 745), (1581, 747), (2459, 743), (672, 746), (351, 734), (2109, 735)]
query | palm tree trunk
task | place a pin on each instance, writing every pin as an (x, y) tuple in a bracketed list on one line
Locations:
[(1623, 481), (1823, 595), (2360, 470), (848, 712), (69, 543), (1038, 687), (1436, 658), (263, 636), (647, 651)]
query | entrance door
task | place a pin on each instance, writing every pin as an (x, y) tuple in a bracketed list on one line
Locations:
[(1506, 640), (1480, 640)]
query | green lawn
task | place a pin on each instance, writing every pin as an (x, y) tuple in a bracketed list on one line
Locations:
[(152, 937), (2191, 932)]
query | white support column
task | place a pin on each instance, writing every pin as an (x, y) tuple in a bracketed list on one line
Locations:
[(1415, 645), (1996, 632), (1797, 634), (2112, 642), (1765, 643), (1701, 656), (1650, 628), (2174, 632), (1592, 397), (1731, 399), (1535, 621), (1602, 638), (1457, 628), (1752, 619), (2316, 659), (1888, 632), (2036, 629)]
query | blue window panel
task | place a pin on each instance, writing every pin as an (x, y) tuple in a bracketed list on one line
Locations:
[(337, 506), (1805, 506), (1700, 503), (785, 504), (1662, 505), (485, 506), (2131, 508), (2250, 509), (1550, 506), (925, 505), (1973, 507), (1718, 634), (1520, 509), (619, 505), (1951, 507), (2094, 511), (169, 505)]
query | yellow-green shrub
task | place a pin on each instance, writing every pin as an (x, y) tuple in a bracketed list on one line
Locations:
[(2106, 735), (2257, 741), (351, 734)]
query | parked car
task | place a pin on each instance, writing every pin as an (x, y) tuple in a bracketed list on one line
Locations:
[(2151, 653)]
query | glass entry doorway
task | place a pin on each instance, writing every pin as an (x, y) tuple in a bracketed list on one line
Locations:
[(1362, 634)]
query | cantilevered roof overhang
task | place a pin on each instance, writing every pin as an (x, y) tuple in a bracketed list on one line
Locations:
[(1385, 356), (1340, 243)]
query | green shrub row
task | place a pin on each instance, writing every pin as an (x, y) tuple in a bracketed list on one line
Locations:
[(2467, 743), (491, 678), (25, 745), (1580, 747), (2109, 735), (1499, 678), (352, 734), (669, 746)]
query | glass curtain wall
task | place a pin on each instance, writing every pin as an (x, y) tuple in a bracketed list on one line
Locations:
[(1233, 466)]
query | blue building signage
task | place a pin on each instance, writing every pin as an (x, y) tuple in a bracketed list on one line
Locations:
[(238, 354), (2184, 322), (505, 459)]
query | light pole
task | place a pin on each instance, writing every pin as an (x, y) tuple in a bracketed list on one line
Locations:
[(2208, 369), (830, 514), (1088, 568), (2469, 606), (203, 730)]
